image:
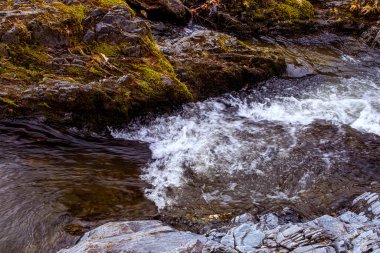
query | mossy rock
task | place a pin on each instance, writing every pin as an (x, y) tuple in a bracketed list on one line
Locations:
[(295, 10), (85, 79)]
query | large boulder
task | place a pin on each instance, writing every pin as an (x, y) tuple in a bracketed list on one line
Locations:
[(85, 64), (212, 63), (142, 237)]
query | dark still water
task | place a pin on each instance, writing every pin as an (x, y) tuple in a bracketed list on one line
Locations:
[(54, 186)]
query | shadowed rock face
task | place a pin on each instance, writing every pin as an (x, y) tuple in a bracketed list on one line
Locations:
[(358, 231), (285, 17), (372, 36), (212, 63), (164, 10)]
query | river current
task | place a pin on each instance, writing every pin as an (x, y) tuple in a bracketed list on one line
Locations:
[(307, 142)]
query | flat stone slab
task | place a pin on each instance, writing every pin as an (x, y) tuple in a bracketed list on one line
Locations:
[(143, 237), (357, 232)]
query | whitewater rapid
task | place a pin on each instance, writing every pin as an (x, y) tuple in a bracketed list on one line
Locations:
[(258, 134)]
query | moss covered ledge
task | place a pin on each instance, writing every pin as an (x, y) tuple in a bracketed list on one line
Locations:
[(88, 63)]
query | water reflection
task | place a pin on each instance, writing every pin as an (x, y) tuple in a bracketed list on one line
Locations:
[(54, 186)]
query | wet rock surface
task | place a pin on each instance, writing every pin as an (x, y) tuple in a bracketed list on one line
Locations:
[(144, 236), (356, 230), (96, 63), (212, 63)]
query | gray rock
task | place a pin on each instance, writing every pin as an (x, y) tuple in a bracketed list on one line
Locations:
[(14, 35), (350, 231), (125, 79), (200, 54), (143, 236), (299, 69), (268, 221), (43, 34), (104, 28), (244, 238), (372, 36), (369, 204), (244, 218), (89, 36), (316, 248), (116, 26)]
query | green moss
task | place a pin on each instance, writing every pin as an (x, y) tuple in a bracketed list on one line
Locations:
[(245, 45), (8, 101), (75, 71), (222, 38), (150, 85), (287, 12), (76, 12), (11, 72), (108, 49), (151, 72), (56, 77), (148, 78), (44, 104), (267, 10), (25, 63), (34, 54), (97, 70), (110, 3), (161, 63), (295, 10)]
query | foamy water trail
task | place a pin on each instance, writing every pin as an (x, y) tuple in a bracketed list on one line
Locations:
[(241, 134)]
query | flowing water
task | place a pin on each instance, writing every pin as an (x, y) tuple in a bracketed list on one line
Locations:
[(55, 185), (309, 144)]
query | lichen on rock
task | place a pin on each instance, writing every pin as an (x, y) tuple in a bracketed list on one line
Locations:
[(212, 63), (46, 43)]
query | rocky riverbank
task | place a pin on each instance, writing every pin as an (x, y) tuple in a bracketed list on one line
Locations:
[(95, 63), (355, 230), (98, 63)]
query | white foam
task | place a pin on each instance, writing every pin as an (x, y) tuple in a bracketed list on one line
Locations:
[(232, 134)]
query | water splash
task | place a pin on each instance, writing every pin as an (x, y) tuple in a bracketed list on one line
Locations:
[(246, 136)]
